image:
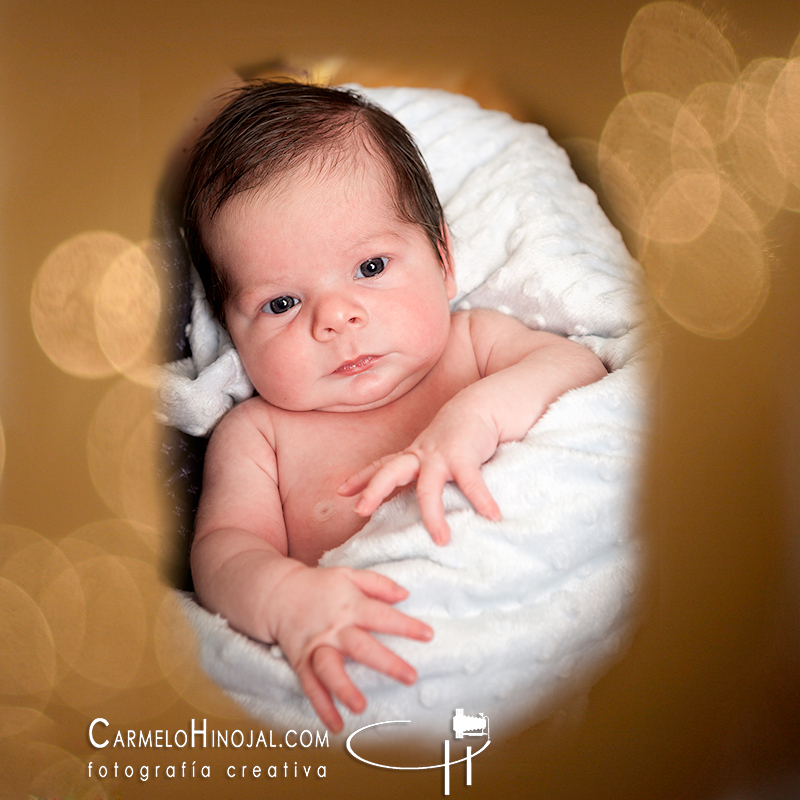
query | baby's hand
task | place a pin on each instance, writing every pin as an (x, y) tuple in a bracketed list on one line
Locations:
[(323, 615), (452, 448)]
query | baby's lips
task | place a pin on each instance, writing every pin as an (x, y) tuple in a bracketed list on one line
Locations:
[(357, 365)]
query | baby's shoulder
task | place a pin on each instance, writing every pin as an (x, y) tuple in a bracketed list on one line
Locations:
[(496, 337), (483, 324), (252, 418)]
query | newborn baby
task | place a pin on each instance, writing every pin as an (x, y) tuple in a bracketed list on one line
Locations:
[(314, 224)]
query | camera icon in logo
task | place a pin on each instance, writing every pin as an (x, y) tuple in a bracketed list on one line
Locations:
[(464, 725)]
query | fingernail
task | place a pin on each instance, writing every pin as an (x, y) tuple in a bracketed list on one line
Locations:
[(358, 706), (361, 506)]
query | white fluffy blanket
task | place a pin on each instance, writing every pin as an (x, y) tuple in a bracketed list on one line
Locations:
[(522, 606)]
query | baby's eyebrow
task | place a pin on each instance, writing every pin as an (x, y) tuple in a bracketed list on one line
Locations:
[(240, 290), (364, 241)]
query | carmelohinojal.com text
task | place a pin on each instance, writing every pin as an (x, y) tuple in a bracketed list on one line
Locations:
[(199, 737)]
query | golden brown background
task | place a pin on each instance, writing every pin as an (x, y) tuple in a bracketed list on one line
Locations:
[(94, 96)]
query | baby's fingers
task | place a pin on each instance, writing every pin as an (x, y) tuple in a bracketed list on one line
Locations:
[(361, 647), (398, 470), (328, 665), (319, 696), (470, 481), (385, 619), (430, 486), (378, 586), (355, 483), (376, 615)]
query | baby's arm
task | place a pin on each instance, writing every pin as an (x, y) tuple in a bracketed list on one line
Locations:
[(522, 372), (241, 570)]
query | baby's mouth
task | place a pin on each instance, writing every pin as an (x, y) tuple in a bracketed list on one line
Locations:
[(360, 364)]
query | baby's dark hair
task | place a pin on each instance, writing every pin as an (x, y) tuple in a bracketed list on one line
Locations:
[(271, 127)]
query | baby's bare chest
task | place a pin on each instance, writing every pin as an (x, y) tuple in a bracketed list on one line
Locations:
[(317, 451), (313, 466)]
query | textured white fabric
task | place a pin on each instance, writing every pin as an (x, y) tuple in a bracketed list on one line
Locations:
[(547, 594), (196, 392)]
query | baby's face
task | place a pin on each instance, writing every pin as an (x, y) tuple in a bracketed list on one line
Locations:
[(335, 303)]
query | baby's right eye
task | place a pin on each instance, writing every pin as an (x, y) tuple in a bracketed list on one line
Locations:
[(280, 305)]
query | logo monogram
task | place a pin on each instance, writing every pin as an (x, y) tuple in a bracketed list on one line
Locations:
[(462, 726)]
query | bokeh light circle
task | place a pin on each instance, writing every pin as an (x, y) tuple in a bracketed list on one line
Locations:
[(41, 569), (683, 207), (783, 115), (712, 106), (122, 447), (116, 620), (28, 666), (636, 152), (671, 48), (716, 284), (127, 309), (63, 302), (15, 720)]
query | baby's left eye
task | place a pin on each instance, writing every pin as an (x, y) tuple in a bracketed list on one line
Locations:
[(372, 267)]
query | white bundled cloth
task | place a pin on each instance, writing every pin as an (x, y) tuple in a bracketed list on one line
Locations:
[(547, 595), (197, 391)]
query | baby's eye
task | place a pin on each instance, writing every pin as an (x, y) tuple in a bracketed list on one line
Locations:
[(372, 267), (280, 304)]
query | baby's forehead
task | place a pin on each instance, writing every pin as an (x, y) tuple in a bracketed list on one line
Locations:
[(349, 165), (323, 183), (346, 205)]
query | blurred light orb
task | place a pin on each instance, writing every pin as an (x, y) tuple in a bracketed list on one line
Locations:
[(116, 626), (15, 720), (783, 116), (671, 48), (63, 302), (696, 161), (683, 207), (39, 567), (28, 665), (716, 284), (123, 442), (711, 105), (127, 308)]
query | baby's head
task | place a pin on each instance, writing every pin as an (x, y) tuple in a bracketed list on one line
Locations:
[(271, 130), (313, 221)]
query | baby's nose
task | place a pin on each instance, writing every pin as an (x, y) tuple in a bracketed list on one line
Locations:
[(335, 313)]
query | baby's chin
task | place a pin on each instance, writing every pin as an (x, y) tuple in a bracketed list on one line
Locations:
[(359, 401), (352, 408)]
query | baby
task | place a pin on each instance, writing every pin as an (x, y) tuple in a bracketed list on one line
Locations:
[(314, 224)]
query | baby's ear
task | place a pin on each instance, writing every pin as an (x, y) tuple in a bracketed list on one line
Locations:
[(446, 257)]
